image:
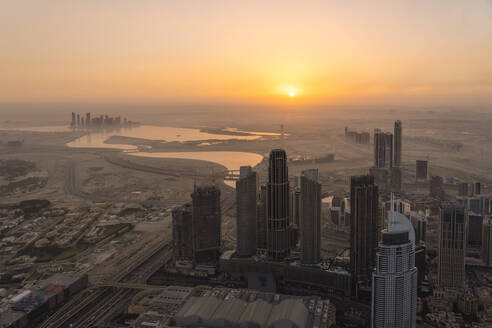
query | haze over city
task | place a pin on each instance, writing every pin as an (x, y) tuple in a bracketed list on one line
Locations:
[(245, 164), (326, 52)]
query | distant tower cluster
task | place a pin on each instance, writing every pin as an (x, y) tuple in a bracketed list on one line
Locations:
[(79, 122), (388, 158), (364, 203), (278, 206), (452, 246), (246, 212), (310, 217)]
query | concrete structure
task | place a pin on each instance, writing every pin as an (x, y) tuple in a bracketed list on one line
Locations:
[(394, 282), (183, 234), (223, 307), (419, 223), (272, 275), (421, 170), (398, 144), (278, 206), (364, 203), (463, 189), (246, 212), (487, 241), (383, 149), (436, 187), (452, 244), (479, 204), (206, 224), (396, 179), (310, 217), (474, 230), (261, 217)]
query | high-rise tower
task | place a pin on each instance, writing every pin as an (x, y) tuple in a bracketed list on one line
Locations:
[(383, 149), (394, 282), (364, 201), (278, 206), (487, 242), (310, 217), (261, 219), (246, 212), (206, 224), (182, 234), (397, 143), (452, 241)]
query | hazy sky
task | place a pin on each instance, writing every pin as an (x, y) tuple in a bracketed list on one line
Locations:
[(324, 52)]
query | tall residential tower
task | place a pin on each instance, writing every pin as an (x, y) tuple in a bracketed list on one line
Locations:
[(364, 201), (310, 217), (246, 212), (278, 206)]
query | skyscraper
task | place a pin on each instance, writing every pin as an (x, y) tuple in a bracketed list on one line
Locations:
[(310, 217), (278, 206), (421, 173), (364, 201), (88, 119), (182, 233), (487, 241), (261, 219), (397, 143), (451, 264), (73, 120), (394, 282), (206, 224), (246, 212), (383, 149), (436, 187)]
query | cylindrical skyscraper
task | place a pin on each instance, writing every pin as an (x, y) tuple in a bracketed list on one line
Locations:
[(278, 206), (394, 282)]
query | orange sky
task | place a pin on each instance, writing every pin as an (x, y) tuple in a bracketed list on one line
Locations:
[(326, 52)]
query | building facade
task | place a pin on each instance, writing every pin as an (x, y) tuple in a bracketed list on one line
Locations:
[(206, 224), (398, 143), (246, 212), (394, 282), (310, 217), (487, 241), (278, 206), (452, 246), (364, 203), (421, 170), (182, 233)]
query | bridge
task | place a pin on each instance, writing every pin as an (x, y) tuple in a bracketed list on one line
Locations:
[(130, 286), (231, 175)]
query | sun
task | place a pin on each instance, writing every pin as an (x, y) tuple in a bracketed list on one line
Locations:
[(292, 94)]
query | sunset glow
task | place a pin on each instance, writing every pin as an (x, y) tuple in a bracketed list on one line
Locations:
[(223, 51)]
